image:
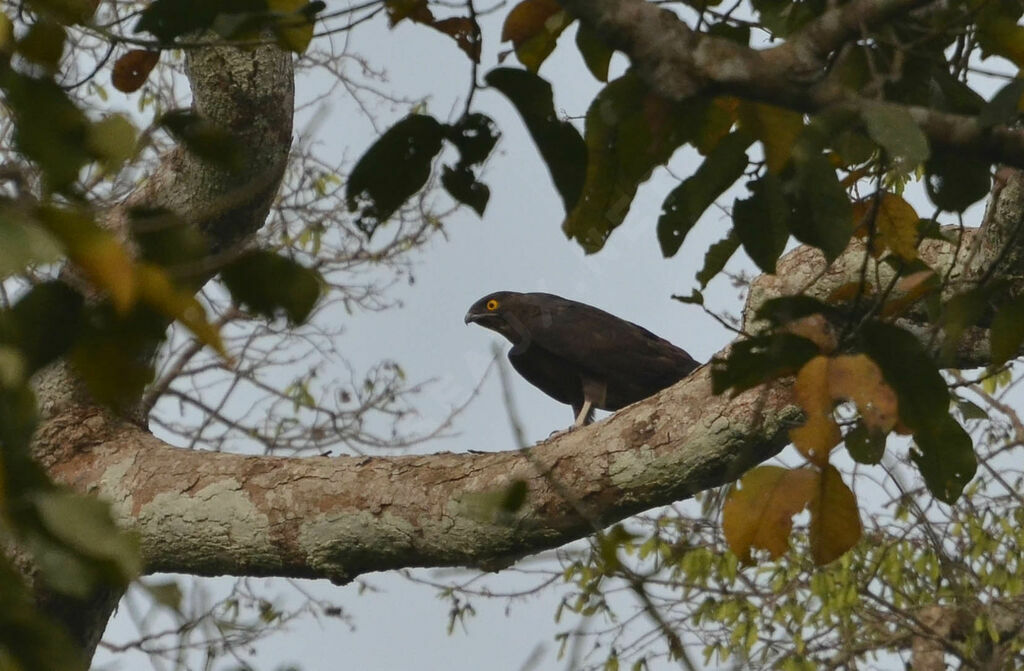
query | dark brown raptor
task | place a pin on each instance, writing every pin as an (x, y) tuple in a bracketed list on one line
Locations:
[(578, 354)]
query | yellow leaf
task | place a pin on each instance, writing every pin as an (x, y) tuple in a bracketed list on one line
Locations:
[(758, 512), (294, 28), (103, 260), (893, 221), (156, 289), (777, 129), (112, 140), (857, 378), (819, 433), (835, 519), (896, 223), (533, 27)]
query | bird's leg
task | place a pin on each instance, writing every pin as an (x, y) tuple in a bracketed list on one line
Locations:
[(585, 416)]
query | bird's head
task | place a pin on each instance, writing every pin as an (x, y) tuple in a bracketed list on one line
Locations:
[(497, 312)]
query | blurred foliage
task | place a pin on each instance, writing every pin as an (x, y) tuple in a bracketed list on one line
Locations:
[(109, 319)]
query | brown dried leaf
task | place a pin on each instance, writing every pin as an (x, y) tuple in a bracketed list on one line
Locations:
[(896, 223), (132, 69), (465, 32), (758, 512), (835, 519), (857, 378), (820, 432)]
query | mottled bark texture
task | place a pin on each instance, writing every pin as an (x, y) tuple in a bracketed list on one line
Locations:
[(209, 513), (250, 94)]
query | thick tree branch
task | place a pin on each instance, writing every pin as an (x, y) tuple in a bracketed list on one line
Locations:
[(212, 513), (678, 63), (249, 93)]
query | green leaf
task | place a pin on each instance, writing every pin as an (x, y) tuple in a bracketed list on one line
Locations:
[(717, 256), (18, 418), (23, 243), (910, 371), (1005, 105), (970, 410), (395, 167), (43, 323), (1007, 331), (822, 214), (112, 141), (629, 132), (204, 139), (168, 19), (65, 11), (945, 457), (166, 593), (463, 186), (164, 238), (31, 640), (559, 142), (270, 284), (761, 222), (736, 33), (688, 201), (892, 127), (43, 44), (596, 54), (785, 309), (759, 359), (48, 128), (695, 298), (955, 181), (865, 446), (961, 312), (159, 293), (84, 524), (113, 352)]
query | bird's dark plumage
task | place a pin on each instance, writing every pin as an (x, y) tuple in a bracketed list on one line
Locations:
[(579, 354)]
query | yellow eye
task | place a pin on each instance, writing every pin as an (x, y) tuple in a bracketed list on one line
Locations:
[(492, 305)]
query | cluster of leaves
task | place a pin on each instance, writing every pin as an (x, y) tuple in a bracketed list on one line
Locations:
[(804, 186), (106, 314), (868, 601)]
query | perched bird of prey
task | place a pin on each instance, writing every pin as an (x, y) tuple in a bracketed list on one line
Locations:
[(578, 354)]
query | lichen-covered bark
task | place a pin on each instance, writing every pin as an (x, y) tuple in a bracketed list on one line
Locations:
[(249, 93), (338, 517), (213, 513)]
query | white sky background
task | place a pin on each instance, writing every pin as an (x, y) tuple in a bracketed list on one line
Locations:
[(518, 245)]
